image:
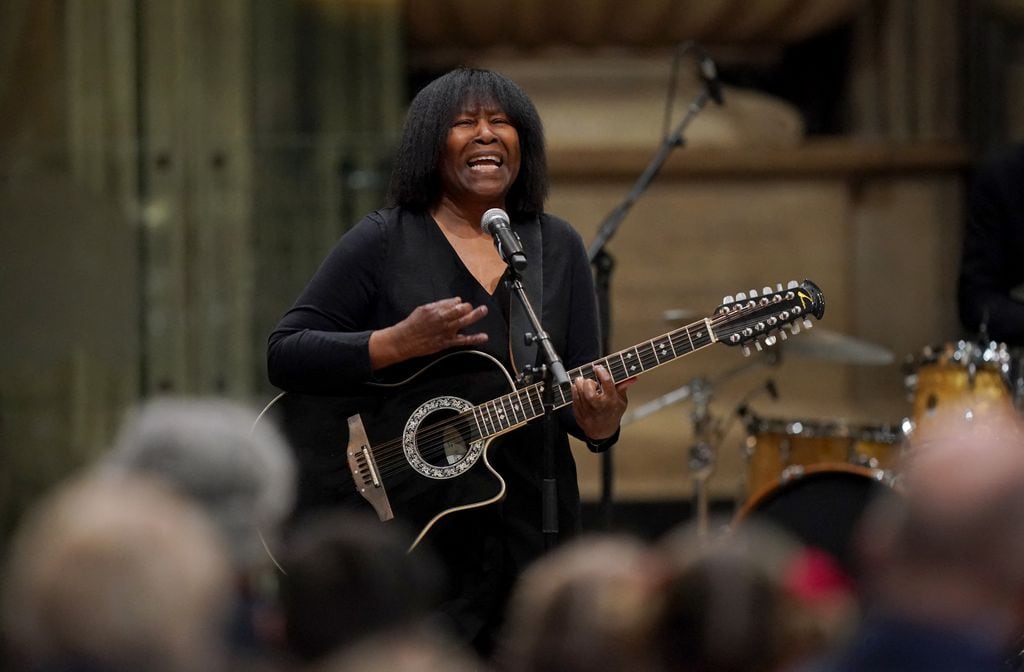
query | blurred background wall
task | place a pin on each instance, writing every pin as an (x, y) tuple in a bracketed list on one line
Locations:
[(172, 172)]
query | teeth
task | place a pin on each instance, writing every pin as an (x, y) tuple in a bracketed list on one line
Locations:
[(485, 159)]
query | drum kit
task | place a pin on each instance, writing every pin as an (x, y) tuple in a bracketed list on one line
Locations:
[(814, 477)]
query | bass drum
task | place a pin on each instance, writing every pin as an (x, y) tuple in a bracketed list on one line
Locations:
[(821, 506)]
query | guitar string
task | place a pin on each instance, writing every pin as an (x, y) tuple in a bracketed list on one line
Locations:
[(427, 438), (430, 440), (390, 456)]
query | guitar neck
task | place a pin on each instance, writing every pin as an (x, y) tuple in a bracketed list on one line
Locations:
[(523, 405), (641, 358)]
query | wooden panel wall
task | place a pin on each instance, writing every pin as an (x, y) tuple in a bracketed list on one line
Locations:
[(883, 247)]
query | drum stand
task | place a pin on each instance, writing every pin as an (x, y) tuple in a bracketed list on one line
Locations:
[(708, 431), (703, 451)]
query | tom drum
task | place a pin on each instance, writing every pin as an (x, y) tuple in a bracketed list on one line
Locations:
[(957, 382), (781, 449)]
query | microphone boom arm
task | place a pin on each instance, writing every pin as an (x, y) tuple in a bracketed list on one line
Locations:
[(611, 223), (603, 262)]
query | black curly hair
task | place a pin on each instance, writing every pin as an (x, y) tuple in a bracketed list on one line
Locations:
[(416, 177)]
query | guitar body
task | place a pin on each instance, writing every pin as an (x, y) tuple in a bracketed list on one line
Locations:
[(416, 450), (425, 473)]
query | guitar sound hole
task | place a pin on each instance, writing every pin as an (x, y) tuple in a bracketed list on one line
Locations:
[(441, 441)]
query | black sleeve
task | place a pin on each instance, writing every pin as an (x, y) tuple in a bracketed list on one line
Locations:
[(990, 263), (321, 345)]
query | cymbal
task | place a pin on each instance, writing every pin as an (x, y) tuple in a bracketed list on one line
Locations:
[(673, 315), (817, 343), (825, 344), (679, 394)]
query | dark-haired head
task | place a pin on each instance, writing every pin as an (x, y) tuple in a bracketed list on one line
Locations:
[(416, 178)]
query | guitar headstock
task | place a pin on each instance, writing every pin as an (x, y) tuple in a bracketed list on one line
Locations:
[(762, 318)]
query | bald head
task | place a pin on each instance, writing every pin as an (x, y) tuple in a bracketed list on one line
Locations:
[(952, 541), (965, 493)]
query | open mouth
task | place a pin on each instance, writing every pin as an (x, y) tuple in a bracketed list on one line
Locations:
[(486, 162)]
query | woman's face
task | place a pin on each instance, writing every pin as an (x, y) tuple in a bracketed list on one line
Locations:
[(481, 157)]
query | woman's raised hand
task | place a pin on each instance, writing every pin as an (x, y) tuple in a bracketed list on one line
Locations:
[(430, 328)]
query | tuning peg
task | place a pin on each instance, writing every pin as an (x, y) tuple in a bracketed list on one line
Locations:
[(740, 296), (746, 351), (727, 299), (792, 284), (807, 323), (794, 328), (770, 340), (782, 335), (753, 293), (766, 290), (757, 344), (778, 286)]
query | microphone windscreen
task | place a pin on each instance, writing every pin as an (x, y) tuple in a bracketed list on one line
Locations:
[(494, 217)]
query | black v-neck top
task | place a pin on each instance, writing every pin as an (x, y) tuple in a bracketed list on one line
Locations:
[(392, 261)]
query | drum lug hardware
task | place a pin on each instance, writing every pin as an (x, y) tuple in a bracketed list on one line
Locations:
[(887, 477), (865, 461), (792, 471)]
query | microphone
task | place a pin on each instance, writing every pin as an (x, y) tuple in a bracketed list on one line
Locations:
[(495, 222), (709, 75)]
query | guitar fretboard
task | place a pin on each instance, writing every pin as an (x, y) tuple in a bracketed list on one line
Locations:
[(519, 407)]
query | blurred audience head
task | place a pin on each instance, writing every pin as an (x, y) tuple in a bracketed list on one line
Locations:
[(117, 573), (584, 606), (413, 650), (824, 605), (348, 576), (747, 599), (209, 450), (949, 549)]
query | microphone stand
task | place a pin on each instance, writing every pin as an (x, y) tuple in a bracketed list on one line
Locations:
[(604, 263), (554, 374)]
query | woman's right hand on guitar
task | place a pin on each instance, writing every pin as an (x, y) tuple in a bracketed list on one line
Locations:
[(430, 328)]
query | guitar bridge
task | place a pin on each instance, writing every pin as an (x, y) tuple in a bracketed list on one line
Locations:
[(364, 469)]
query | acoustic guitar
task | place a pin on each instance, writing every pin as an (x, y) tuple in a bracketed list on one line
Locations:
[(417, 450)]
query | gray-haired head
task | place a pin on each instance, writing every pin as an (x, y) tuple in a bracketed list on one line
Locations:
[(212, 451)]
